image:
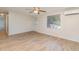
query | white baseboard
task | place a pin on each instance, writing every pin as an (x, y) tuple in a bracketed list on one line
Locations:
[(67, 38)]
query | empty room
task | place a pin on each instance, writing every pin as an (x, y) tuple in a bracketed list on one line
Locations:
[(39, 29)]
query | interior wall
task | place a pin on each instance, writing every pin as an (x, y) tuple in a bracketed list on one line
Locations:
[(19, 23), (69, 26), (34, 23)]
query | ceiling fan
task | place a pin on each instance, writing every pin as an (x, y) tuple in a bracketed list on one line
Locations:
[(37, 10)]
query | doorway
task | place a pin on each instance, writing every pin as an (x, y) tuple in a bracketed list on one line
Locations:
[(3, 30)]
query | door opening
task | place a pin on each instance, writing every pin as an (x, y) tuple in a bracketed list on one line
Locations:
[(3, 26)]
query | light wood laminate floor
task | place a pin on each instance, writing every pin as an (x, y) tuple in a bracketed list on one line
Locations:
[(33, 41)]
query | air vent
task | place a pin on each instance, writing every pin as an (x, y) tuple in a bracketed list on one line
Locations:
[(71, 12)]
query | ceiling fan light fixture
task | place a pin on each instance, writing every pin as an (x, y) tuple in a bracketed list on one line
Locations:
[(1, 14), (35, 11)]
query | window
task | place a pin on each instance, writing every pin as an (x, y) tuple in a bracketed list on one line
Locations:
[(53, 21)]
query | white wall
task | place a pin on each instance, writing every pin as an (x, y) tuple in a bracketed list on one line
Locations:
[(19, 23), (33, 20), (69, 26)]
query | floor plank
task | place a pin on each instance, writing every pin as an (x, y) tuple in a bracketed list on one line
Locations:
[(33, 41)]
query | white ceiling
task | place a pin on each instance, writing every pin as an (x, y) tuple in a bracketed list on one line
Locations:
[(26, 10)]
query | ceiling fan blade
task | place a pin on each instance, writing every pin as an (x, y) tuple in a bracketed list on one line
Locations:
[(34, 8), (38, 8), (42, 11), (31, 12)]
